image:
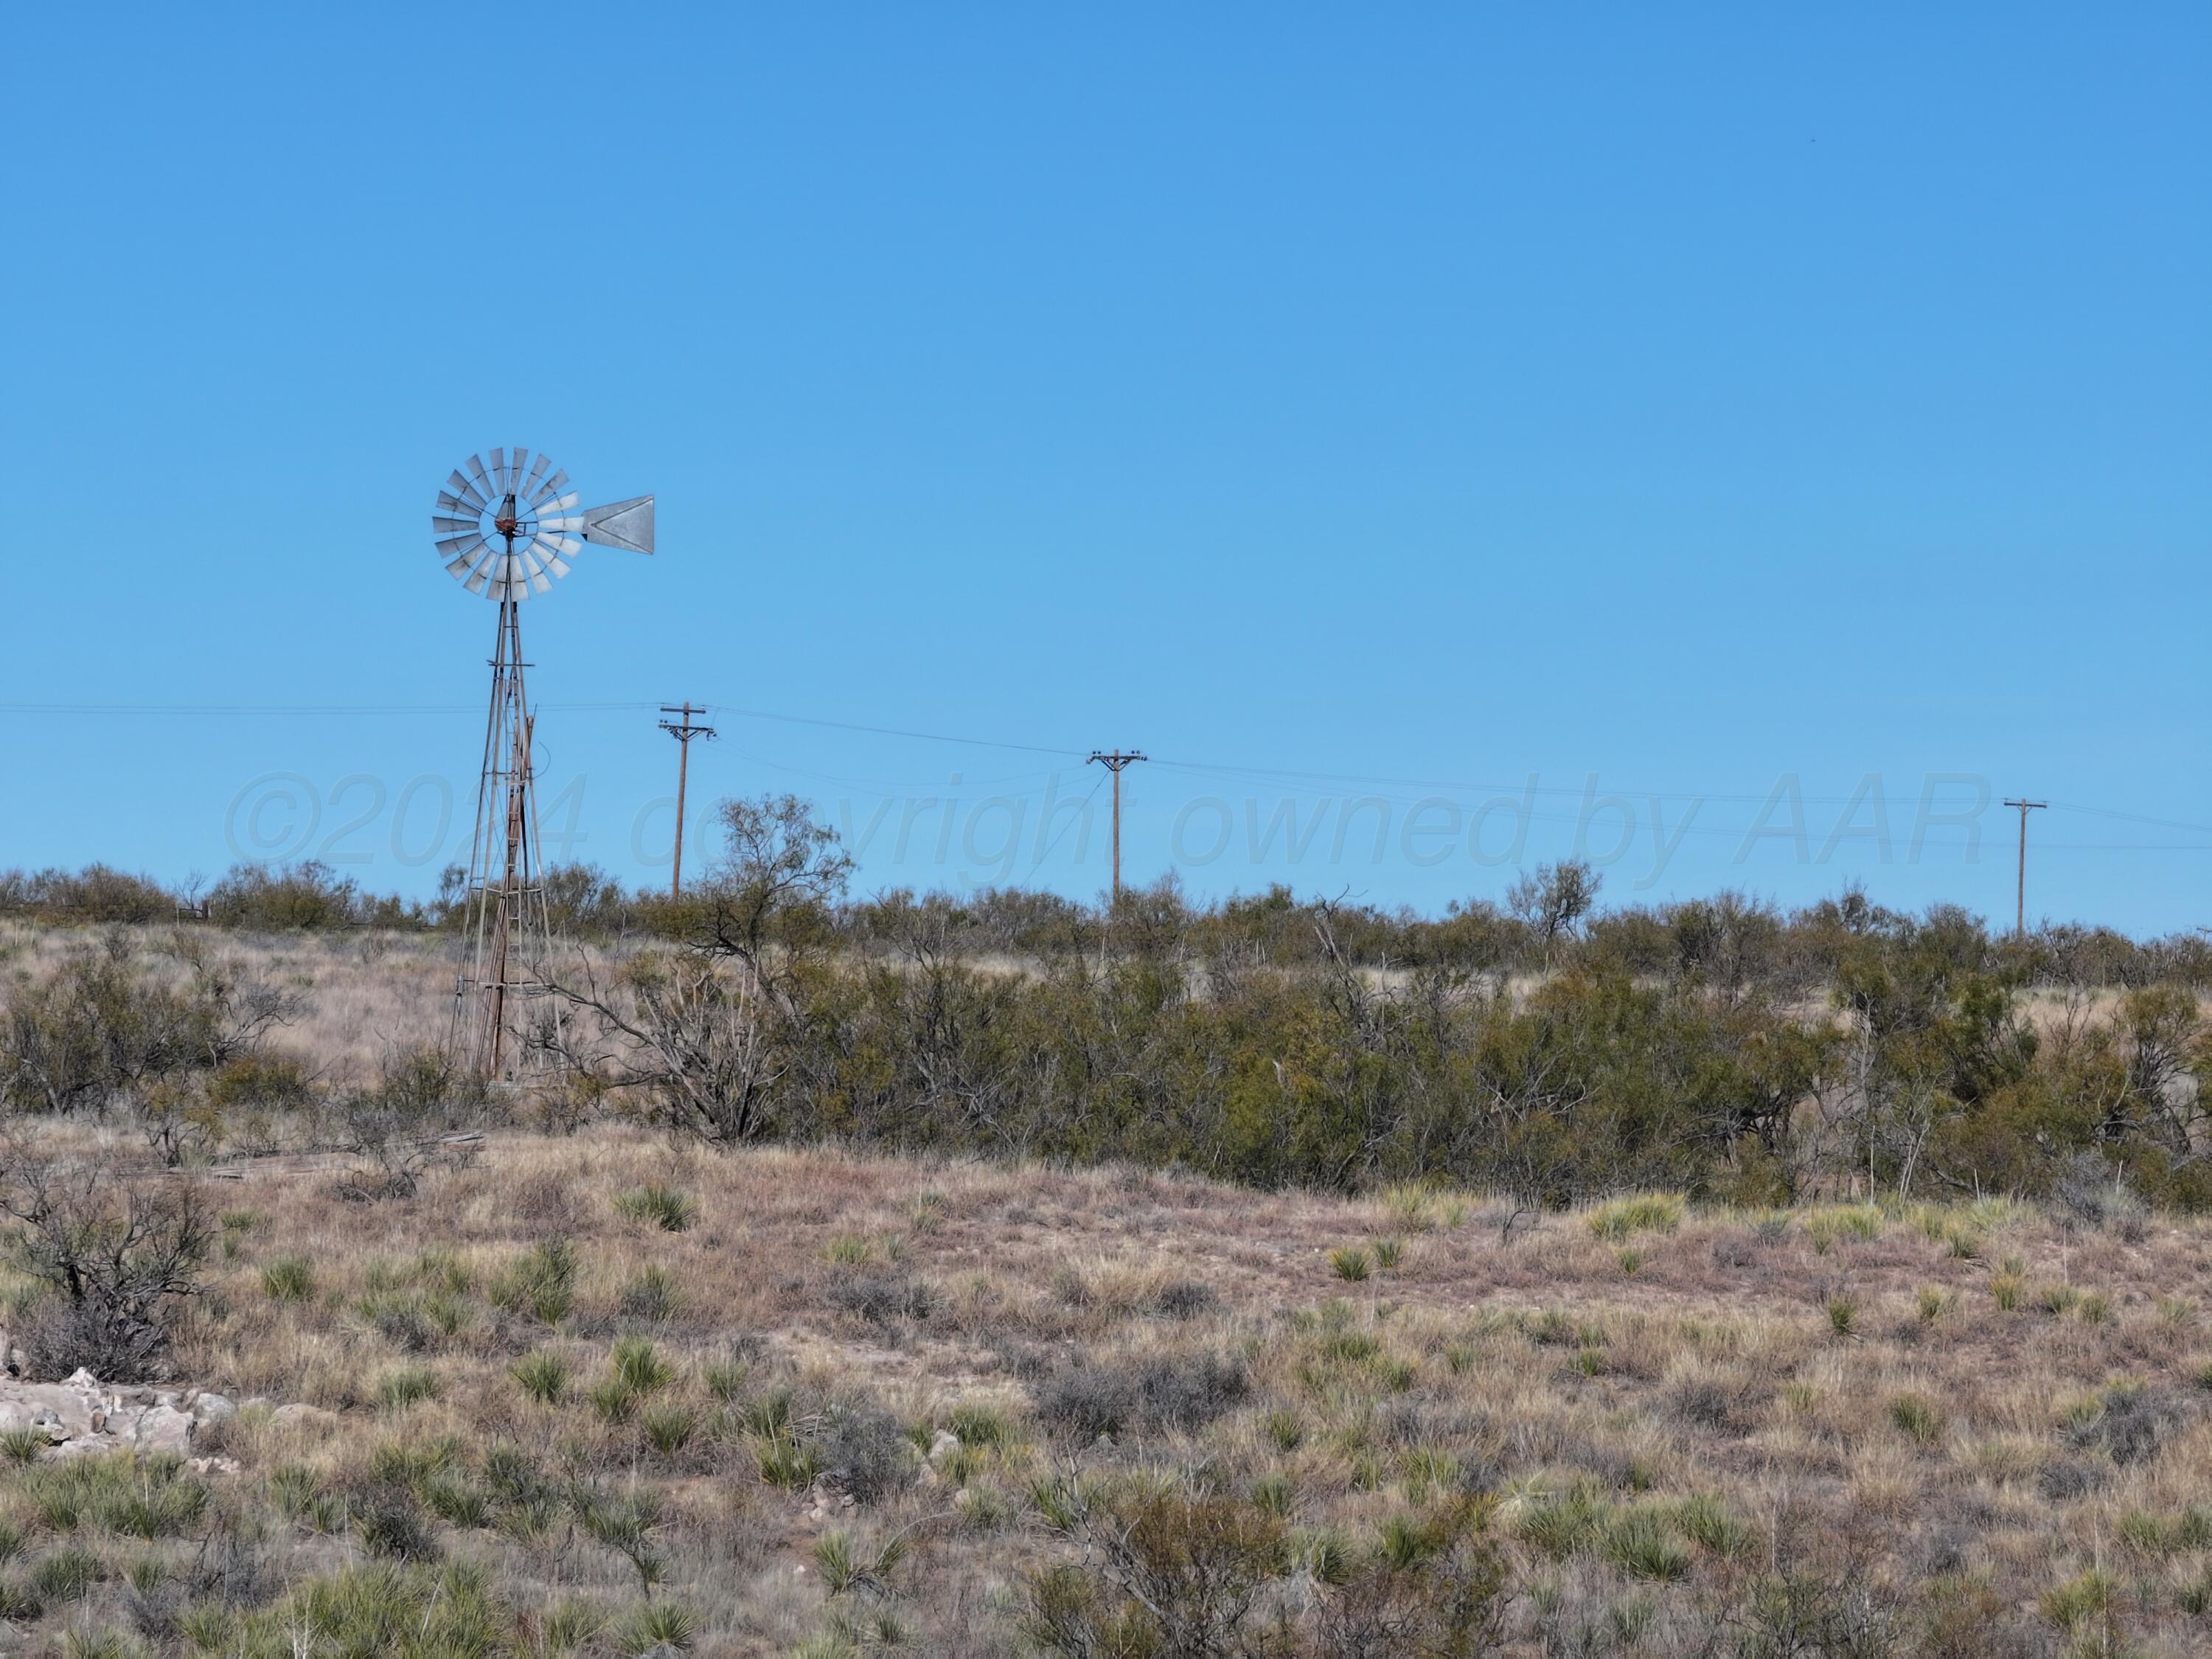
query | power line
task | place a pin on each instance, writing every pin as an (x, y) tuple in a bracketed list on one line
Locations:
[(888, 731), (1196, 767)]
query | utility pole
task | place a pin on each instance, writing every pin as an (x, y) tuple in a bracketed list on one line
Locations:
[(683, 729), (2019, 902), (1114, 761)]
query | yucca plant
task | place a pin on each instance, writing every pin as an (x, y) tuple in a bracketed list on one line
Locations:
[(640, 1367), (655, 1205), (543, 1376), (289, 1278), (669, 1428)]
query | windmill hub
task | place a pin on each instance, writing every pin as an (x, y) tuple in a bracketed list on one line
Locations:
[(530, 507)]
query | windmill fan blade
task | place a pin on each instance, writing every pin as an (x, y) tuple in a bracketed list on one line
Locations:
[(438, 522), (477, 466), (475, 583), (547, 548), (621, 524), (537, 472), (449, 502), (541, 584), (553, 486), (453, 545), (558, 504), (498, 472)]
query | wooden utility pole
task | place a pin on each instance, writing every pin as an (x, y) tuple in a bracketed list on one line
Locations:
[(2020, 900), (1114, 761), (683, 729)]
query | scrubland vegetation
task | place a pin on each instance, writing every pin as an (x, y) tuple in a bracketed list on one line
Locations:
[(1004, 1277)]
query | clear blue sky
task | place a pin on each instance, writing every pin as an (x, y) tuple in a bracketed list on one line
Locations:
[(1698, 398)]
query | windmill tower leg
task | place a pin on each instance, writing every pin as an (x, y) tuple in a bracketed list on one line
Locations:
[(506, 912)]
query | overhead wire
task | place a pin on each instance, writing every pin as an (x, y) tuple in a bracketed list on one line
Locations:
[(1187, 767)]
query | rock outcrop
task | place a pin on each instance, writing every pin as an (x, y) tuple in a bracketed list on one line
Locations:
[(84, 1414)]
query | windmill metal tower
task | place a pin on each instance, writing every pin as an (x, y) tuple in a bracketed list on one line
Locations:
[(506, 530)]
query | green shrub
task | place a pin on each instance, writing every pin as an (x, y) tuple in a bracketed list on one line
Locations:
[(2080, 1600), (726, 1379), (1412, 1207), (1708, 1524), (1919, 1417), (669, 1428), (926, 1214), (1276, 1493), (1562, 1525), (458, 1501), (543, 1376), (1642, 1544), (1641, 1213), (1350, 1261), (652, 1294), (385, 1608), (67, 1575), (391, 1528), (135, 1496), (656, 1206), (289, 1278), (396, 1390), (768, 1415), (614, 1399), (1862, 1222), (638, 1365), (784, 1462), (542, 1285), (980, 1426), (657, 1624), (297, 1494)]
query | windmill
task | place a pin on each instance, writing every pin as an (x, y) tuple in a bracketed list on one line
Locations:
[(504, 529)]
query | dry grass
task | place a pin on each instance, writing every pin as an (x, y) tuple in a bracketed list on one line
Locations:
[(1659, 1450)]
